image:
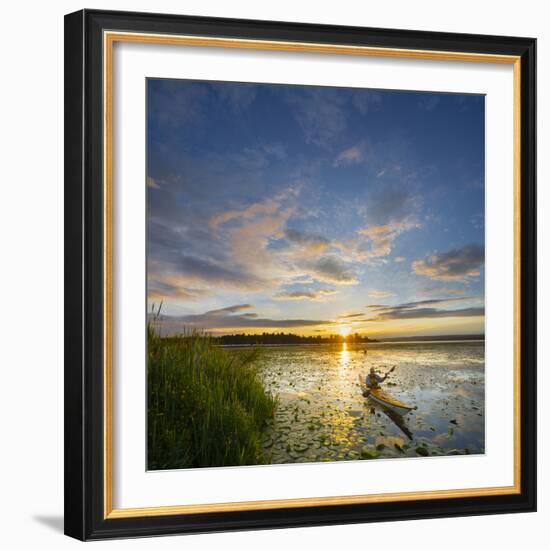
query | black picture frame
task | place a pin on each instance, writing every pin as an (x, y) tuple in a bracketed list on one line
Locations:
[(84, 281)]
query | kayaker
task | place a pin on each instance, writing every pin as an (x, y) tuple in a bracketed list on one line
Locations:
[(373, 380)]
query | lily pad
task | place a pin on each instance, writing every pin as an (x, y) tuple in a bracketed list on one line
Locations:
[(422, 451)]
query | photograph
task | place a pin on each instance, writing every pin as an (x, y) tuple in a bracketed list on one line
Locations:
[(299, 274), (315, 274)]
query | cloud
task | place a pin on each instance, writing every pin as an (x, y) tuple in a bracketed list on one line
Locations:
[(352, 155), (460, 264), (363, 100), (267, 207), (399, 259), (374, 293), (243, 236), (378, 240), (322, 113), (420, 310), (301, 280), (391, 204), (257, 158), (152, 183), (424, 313), (442, 290), (276, 150), (206, 271), (172, 105), (229, 309), (351, 315), (331, 269), (162, 290), (227, 318), (318, 294), (310, 244), (432, 302), (416, 304), (388, 214)]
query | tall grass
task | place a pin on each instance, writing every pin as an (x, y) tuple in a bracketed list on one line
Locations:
[(206, 406)]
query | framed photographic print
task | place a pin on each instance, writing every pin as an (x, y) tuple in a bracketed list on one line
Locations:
[(300, 274)]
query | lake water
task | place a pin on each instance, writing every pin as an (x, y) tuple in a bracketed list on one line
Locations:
[(323, 416)]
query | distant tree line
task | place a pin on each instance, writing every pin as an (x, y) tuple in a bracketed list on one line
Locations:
[(268, 338)]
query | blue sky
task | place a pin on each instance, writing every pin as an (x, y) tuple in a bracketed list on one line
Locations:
[(315, 210)]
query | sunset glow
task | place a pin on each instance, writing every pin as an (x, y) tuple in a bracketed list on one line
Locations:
[(344, 330)]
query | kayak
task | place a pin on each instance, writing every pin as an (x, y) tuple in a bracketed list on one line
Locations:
[(385, 399)]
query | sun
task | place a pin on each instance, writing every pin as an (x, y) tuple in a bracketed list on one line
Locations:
[(344, 330)]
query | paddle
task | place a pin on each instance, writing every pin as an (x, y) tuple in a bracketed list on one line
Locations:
[(389, 372)]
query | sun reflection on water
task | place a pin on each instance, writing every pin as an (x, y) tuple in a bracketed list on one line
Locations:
[(344, 355)]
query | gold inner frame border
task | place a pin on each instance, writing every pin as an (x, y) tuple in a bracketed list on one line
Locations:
[(109, 39)]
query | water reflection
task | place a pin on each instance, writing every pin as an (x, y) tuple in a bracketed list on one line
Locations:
[(399, 421), (344, 355)]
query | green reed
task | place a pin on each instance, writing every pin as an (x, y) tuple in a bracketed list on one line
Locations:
[(206, 406)]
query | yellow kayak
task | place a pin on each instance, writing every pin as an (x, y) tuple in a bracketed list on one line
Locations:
[(385, 399)]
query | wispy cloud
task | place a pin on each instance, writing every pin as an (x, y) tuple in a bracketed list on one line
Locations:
[(152, 183), (324, 113), (267, 207), (205, 271), (228, 318), (421, 310), (318, 294), (442, 290), (162, 290), (424, 313), (365, 100), (258, 157), (173, 105), (352, 155), (378, 240), (351, 316), (418, 303), (459, 264), (391, 204), (320, 114), (308, 243), (331, 269), (229, 309), (374, 293)]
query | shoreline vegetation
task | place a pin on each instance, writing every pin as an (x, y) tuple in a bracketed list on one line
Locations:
[(281, 338), (206, 407), (289, 338)]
